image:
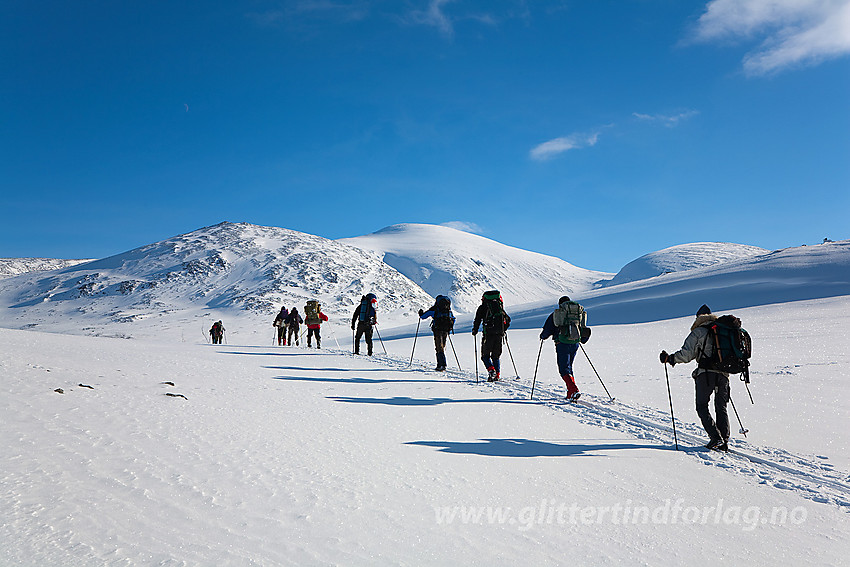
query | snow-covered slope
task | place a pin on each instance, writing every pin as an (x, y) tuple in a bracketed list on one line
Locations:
[(268, 456), (684, 257), (16, 266), (791, 274), (461, 265), (224, 271)]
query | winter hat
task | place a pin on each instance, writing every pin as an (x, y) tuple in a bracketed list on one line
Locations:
[(704, 310), (563, 299)]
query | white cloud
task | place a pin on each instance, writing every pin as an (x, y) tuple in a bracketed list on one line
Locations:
[(550, 149), (667, 120), (465, 226), (793, 32), (434, 16)]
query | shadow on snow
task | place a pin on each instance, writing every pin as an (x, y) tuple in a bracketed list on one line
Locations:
[(527, 448)]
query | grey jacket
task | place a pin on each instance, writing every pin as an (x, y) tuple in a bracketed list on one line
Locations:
[(696, 345)]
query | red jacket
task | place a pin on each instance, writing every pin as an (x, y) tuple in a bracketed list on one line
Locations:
[(323, 317)]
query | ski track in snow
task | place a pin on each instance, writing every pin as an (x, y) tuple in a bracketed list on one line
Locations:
[(809, 476)]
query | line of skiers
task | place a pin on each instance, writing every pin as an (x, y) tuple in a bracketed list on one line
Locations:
[(710, 340), (288, 324)]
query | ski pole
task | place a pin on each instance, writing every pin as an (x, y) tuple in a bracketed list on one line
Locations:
[(534, 380), (597, 373), (745, 377), (475, 345), (331, 329), (511, 354), (670, 397), (380, 339), (414, 342), (455, 352), (743, 431)]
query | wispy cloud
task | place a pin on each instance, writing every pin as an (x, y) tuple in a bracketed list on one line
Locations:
[(465, 226), (792, 32), (433, 15), (670, 120), (552, 148)]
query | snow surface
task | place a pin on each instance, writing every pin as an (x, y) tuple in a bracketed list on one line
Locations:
[(266, 455), (447, 261), (16, 266), (284, 456), (684, 257)]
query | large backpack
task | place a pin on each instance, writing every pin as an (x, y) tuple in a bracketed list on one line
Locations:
[(442, 314), (568, 317), (311, 312), (732, 347), (494, 314), (367, 312)]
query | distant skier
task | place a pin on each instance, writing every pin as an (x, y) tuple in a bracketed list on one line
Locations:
[(365, 318), (698, 346), (313, 316), (567, 325), (491, 313), (442, 324), (217, 332), (293, 326), (280, 323)]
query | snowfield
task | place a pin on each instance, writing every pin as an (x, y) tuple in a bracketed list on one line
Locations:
[(268, 455), (127, 439)]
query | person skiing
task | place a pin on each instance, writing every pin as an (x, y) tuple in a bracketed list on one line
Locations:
[(566, 327), (217, 332), (698, 346), (442, 324), (491, 313), (314, 317), (280, 323), (365, 317), (293, 325)]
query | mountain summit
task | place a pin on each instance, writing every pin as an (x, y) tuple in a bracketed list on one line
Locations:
[(451, 262)]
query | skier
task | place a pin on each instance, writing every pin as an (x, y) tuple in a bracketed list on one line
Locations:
[(442, 324), (697, 346), (280, 323), (314, 317), (365, 317), (495, 321), (293, 324), (565, 326), (217, 332)]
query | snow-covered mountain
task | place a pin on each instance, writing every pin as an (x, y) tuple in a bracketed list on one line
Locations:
[(461, 265), (684, 257), (16, 266), (781, 276), (240, 270), (243, 273)]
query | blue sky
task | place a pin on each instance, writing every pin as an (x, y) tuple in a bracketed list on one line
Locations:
[(595, 131)]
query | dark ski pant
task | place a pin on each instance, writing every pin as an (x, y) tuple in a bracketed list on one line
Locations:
[(281, 335), (364, 329), (294, 330), (566, 354), (216, 338), (491, 351), (706, 383), (314, 333), (440, 338)]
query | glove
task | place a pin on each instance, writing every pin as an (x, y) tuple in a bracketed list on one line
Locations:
[(663, 356), (474, 332), (352, 327), (421, 313)]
